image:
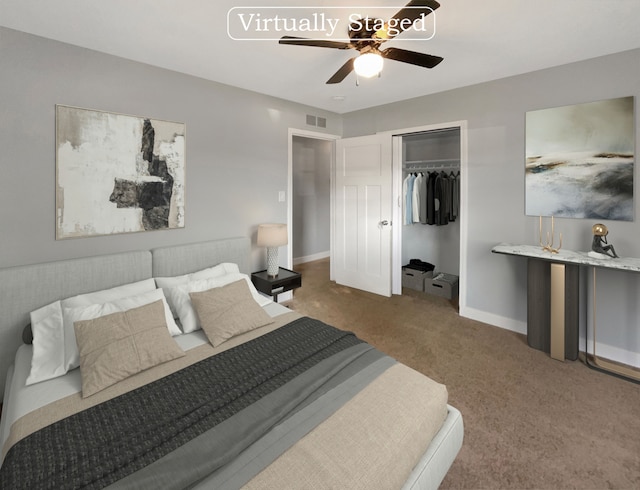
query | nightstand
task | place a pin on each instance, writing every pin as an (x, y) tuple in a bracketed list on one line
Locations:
[(286, 280)]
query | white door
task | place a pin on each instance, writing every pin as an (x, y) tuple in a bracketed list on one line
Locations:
[(362, 247)]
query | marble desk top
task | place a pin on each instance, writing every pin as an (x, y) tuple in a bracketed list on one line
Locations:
[(568, 257)]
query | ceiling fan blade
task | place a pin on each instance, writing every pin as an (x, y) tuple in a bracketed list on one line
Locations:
[(411, 11), (301, 41), (342, 72), (411, 57)]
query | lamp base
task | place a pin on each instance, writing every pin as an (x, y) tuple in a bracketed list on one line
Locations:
[(272, 261)]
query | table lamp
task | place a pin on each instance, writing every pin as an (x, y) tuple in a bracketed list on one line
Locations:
[(272, 236)]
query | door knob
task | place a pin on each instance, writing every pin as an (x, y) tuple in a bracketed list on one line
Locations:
[(384, 223)]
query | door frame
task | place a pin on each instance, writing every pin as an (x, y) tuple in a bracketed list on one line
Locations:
[(396, 239), (320, 136)]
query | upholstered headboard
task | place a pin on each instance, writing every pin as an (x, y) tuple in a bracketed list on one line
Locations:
[(183, 259), (26, 288)]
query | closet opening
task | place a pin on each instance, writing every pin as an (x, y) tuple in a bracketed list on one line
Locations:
[(430, 216)]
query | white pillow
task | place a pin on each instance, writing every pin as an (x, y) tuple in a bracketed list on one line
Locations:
[(47, 326), (72, 315), (47, 360), (107, 295), (179, 296), (216, 271)]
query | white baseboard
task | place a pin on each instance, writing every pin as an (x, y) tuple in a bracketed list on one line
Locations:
[(612, 353), (603, 350), (310, 258), (495, 320)]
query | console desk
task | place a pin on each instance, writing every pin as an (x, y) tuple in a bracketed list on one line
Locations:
[(553, 301)]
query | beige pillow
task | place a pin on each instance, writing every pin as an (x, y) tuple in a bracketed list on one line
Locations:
[(227, 311), (116, 346)]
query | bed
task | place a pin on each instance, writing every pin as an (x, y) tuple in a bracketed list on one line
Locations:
[(251, 395)]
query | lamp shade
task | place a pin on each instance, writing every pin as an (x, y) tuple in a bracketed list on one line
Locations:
[(272, 235)]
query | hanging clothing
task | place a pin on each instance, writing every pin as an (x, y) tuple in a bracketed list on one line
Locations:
[(440, 197), (407, 188), (423, 199), (432, 199), (455, 200), (417, 184)]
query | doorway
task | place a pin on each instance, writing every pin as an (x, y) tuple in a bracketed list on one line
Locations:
[(310, 207)]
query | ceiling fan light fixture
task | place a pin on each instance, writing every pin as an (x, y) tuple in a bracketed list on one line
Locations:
[(368, 65)]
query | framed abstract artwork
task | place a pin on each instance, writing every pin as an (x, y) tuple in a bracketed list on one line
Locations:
[(580, 160), (117, 173)]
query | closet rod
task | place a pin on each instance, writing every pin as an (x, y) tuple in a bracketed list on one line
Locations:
[(436, 163), (432, 166)]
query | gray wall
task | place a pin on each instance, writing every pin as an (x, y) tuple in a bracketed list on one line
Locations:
[(311, 197), (236, 146), (495, 111), (237, 163)]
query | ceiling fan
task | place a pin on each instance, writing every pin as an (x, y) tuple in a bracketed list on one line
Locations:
[(367, 35)]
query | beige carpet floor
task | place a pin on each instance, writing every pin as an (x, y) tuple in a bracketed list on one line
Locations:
[(530, 422)]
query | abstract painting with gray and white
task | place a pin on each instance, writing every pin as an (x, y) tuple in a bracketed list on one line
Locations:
[(580, 160), (117, 173)]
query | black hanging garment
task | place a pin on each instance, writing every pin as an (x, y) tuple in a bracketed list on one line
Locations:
[(441, 211), (431, 198)]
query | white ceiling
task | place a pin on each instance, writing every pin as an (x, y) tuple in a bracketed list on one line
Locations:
[(479, 40)]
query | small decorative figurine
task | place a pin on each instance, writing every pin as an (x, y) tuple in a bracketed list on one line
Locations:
[(600, 244)]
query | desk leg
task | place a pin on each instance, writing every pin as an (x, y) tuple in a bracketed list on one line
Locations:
[(538, 279), (601, 364), (557, 311), (553, 308)]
